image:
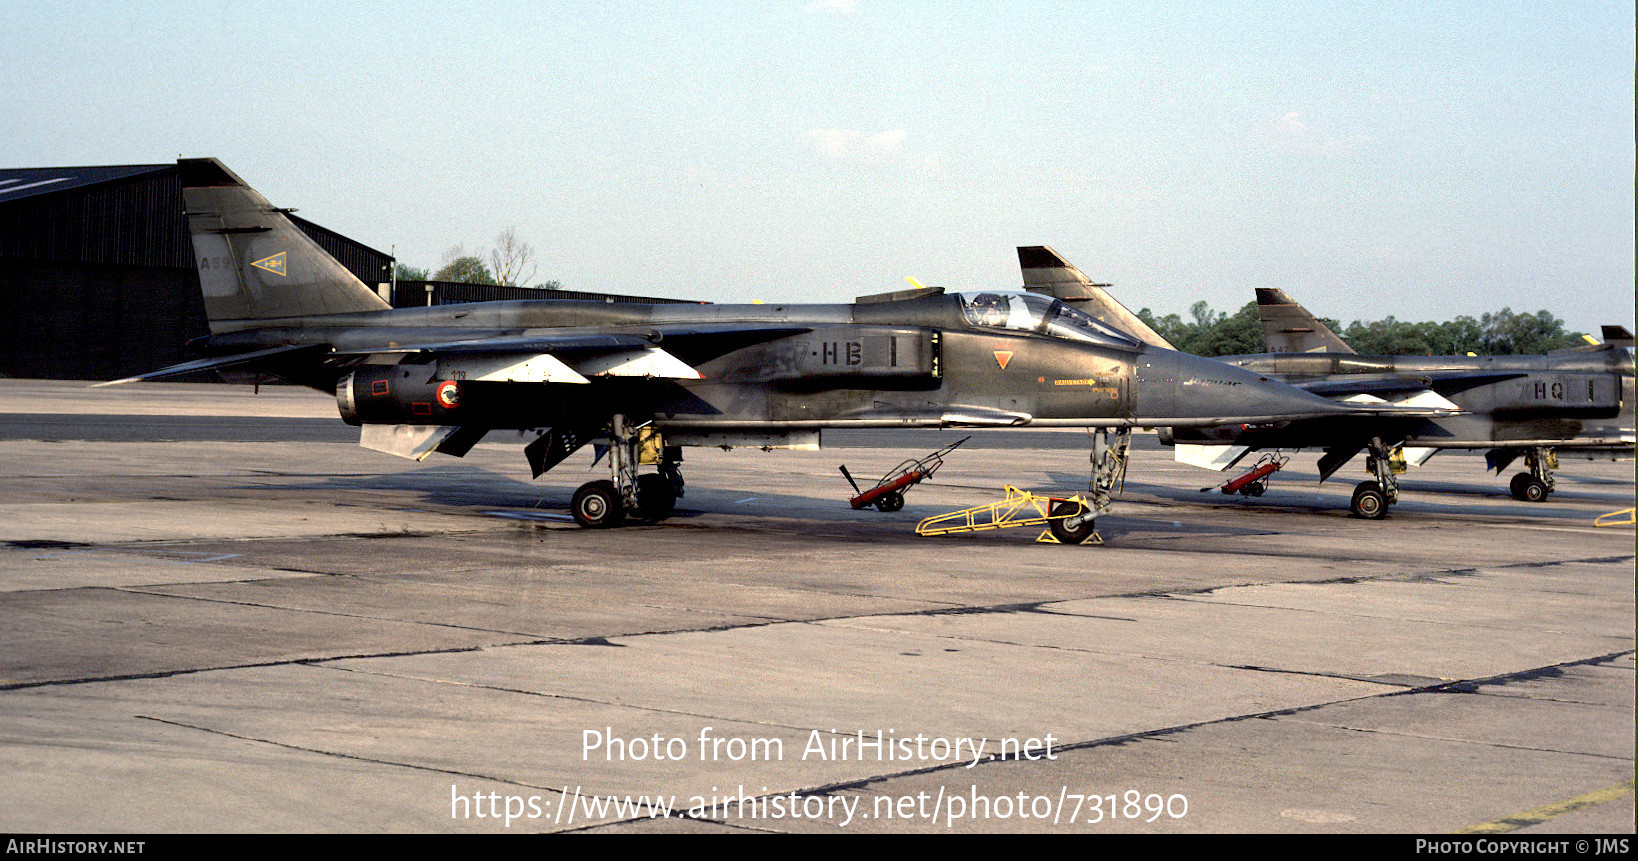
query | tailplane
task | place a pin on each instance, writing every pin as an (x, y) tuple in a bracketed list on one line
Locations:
[(255, 265)]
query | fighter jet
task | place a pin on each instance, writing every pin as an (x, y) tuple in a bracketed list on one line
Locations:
[(1532, 406), (1577, 399), (647, 380)]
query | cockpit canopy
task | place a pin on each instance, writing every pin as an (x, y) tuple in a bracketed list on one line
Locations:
[(1043, 315)]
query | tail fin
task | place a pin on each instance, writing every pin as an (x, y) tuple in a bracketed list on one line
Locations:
[(1616, 336), (1048, 273), (256, 266), (1289, 328)]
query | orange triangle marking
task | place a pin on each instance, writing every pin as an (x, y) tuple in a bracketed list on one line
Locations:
[(1002, 357)]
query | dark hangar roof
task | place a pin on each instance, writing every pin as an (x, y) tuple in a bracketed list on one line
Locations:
[(22, 182)]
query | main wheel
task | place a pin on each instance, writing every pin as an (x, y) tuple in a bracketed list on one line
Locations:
[(597, 505), (890, 501), (1063, 533), (656, 497), (1369, 501), (1516, 486), (1533, 489)]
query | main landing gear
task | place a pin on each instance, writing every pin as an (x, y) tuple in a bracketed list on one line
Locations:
[(651, 497), (1372, 498), (1535, 485), (1108, 473)]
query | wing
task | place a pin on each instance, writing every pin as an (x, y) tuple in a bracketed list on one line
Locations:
[(223, 362), (1395, 386)]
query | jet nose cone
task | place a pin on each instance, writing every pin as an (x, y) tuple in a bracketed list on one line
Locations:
[(1208, 391), (1274, 399)]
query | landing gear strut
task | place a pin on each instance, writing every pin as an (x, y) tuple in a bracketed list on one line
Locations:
[(1108, 473), (1372, 498), (1535, 485), (651, 497)]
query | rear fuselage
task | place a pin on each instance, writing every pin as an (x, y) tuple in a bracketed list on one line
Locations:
[(1575, 398)]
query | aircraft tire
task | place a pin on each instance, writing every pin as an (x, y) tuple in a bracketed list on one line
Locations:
[(890, 501), (596, 505), (1369, 501), (1063, 533), (1532, 489), (1516, 486), (656, 497)]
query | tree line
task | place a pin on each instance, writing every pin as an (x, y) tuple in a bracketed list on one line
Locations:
[(510, 263), (1212, 333)]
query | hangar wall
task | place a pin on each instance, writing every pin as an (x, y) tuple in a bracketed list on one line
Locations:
[(97, 273)]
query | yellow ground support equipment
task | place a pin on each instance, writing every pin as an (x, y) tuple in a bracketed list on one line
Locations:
[(1624, 517), (1020, 508)]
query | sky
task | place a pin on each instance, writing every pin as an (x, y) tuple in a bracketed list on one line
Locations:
[(1421, 160)]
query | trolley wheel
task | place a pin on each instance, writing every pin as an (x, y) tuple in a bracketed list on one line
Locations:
[(890, 501), (1369, 502), (1062, 532), (596, 505), (656, 497)]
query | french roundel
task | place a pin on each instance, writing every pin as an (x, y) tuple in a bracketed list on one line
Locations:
[(449, 394)]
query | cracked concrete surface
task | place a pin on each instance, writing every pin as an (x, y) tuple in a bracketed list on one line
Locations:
[(252, 634)]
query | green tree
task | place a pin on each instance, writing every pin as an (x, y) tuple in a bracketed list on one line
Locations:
[(1503, 333), (1204, 316), (1231, 335), (1171, 327), (1459, 337), (404, 272), (1212, 333), (1507, 333), (1388, 337), (465, 269)]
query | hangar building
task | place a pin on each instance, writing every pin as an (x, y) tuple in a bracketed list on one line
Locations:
[(98, 281)]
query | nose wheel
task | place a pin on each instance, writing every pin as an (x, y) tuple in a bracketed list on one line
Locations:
[(1109, 453), (1061, 528)]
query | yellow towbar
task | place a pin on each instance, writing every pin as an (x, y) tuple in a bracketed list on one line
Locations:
[(1624, 517), (1020, 508)]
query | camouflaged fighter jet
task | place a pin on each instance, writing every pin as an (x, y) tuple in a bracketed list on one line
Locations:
[(646, 380), (1579, 399)]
